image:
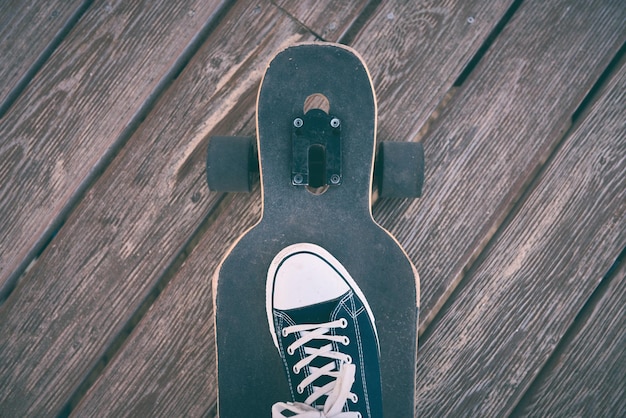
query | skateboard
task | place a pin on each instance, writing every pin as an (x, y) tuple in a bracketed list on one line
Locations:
[(316, 156)]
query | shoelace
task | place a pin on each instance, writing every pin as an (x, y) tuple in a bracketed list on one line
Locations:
[(338, 390)]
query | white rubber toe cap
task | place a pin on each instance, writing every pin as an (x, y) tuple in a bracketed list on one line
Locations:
[(304, 279)]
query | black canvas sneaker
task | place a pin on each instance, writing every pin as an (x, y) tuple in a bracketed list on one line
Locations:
[(325, 333)]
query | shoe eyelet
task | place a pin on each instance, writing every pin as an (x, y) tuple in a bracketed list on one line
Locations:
[(290, 351), (284, 332), (345, 341), (300, 390), (343, 323), (296, 369), (354, 398), (348, 359)]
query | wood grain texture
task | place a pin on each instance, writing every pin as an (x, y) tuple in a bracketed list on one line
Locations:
[(131, 225), (496, 133), (587, 379), (61, 316), (167, 367), (513, 309), (27, 29), (416, 50), (77, 107), (327, 19)]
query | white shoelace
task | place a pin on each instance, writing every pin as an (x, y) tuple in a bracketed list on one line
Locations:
[(338, 390)]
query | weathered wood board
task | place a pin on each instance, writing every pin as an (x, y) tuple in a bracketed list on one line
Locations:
[(327, 19), (167, 366), (586, 377), (78, 109), (496, 133), (418, 52), (502, 325), (27, 30)]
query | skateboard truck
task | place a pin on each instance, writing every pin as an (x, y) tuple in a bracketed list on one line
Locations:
[(232, 162), (316, 150)]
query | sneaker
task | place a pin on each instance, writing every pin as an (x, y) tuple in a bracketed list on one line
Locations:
[(325, 333)]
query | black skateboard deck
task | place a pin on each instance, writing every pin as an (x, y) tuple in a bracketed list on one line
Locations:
[(333, 212)]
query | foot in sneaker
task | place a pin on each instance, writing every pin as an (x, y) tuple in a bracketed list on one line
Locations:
[(325, 333)]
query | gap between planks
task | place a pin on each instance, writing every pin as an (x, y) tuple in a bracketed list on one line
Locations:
[(598, 173), (586, 319), (27, 51), (109, 155), (578, 115)]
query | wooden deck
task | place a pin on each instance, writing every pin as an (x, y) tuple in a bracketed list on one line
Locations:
[(109, 236)]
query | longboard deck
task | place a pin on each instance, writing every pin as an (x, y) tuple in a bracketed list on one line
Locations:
[(251, 377)]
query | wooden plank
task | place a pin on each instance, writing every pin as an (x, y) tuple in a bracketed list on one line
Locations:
[(36, 316), (496, 132), (511, 312), (587, 379), (78, 108), (416, 50), (116, 247), (27, 30), (170, 356), (327, 19)]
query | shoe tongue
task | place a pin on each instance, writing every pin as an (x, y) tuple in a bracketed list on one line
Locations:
[(319, 313)]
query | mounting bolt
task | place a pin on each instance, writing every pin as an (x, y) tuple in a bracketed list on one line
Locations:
[(334, 122), (334, 179), (297, 122), (298, 179)]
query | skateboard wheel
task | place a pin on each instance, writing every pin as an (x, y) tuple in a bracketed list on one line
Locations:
[(399, 169), (231, 164)]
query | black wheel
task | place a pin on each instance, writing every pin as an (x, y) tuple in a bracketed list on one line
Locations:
[(231, 164), (399, 169)]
